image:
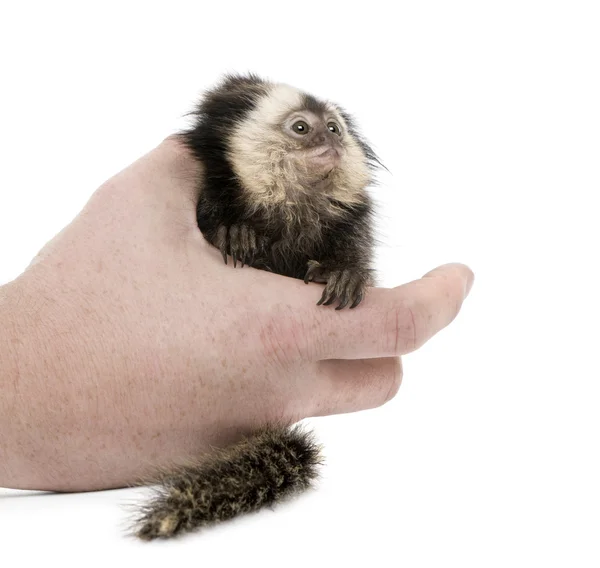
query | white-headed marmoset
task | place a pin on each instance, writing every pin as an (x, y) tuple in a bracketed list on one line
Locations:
[(283, 188)]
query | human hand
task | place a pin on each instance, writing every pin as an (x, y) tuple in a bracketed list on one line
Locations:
[(133, 344)]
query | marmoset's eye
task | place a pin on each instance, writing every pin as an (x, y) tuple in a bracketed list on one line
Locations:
[(333, 127), (300, 127)]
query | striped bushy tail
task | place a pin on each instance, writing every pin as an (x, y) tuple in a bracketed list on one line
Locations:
[(259, 471)]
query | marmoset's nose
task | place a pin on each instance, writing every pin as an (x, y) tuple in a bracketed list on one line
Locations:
[(320, 137)]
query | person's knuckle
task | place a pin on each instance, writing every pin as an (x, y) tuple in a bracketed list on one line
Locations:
[(283, 336), (403, 328)]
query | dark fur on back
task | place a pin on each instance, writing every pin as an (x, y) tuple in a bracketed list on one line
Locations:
[(257, 472), (215, 117)]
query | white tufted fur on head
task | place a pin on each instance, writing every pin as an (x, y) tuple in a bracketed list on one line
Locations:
[(269, 163)]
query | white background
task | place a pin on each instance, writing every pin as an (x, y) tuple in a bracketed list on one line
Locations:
[(487, 114)]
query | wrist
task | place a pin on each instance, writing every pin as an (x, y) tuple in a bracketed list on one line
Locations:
[(32, 385), (13, 334)]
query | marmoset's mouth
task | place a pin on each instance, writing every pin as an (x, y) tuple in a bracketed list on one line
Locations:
[(325, 157), (322, 150), (326, 152)]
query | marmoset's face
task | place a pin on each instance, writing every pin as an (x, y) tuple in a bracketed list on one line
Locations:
[(316, 138), (294, 139)]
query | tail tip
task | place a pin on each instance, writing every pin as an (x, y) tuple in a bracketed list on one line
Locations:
[(158, 526)]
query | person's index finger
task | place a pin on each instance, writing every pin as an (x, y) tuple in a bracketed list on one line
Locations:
[(393, 322)]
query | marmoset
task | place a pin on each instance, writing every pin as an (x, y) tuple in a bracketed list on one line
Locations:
[(283, 188)]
